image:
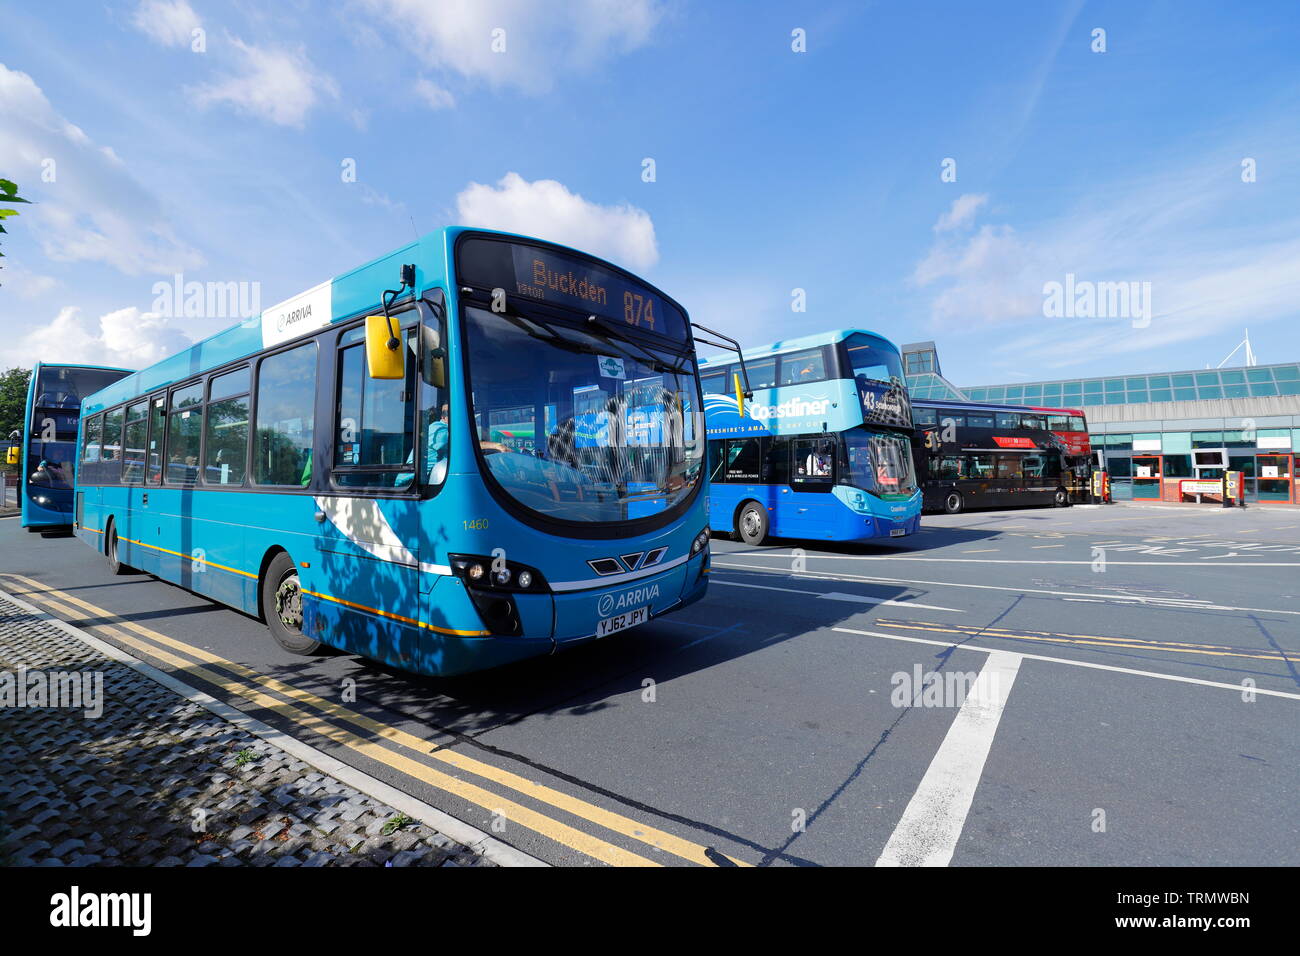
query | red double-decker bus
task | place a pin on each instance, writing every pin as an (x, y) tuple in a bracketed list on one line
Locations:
[(980, 455)]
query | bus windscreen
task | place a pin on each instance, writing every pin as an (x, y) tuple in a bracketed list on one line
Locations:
[(559, 278)]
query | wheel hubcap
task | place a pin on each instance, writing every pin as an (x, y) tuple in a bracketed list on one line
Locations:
[(952, 502), (288, 603), (749, 523)]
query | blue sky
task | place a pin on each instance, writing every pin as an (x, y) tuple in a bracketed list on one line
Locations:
[(775, 169)]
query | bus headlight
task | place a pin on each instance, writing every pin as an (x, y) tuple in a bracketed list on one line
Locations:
[(494, 575), (701, 542), (492, 585)]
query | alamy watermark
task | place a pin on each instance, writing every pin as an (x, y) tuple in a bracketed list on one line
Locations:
[(1085, 299), (67, 690), (206, 300), (938, 688)]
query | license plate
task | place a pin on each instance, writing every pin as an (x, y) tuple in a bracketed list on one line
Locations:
[(621, 622), (897, 532)]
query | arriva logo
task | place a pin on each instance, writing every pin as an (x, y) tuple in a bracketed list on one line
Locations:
[(794, 408), (610, 602)]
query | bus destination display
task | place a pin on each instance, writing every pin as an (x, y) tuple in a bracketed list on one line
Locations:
[(559, 279)]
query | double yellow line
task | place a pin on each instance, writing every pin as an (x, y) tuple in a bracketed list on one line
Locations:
[(1097, 640), (396, 746)]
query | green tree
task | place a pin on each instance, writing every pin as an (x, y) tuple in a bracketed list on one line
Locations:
[(9, 194), (13, 401)]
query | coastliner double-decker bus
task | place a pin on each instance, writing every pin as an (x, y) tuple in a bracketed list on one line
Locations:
[(47, 460), (823, 451), (978, 455), (500, 458)]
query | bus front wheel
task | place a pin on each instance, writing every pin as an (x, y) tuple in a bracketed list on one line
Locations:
[(751, 524), (282, 606), (953, 503), (115, 565)]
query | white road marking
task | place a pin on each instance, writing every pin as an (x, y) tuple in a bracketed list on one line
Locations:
[(931, 825), (841, 596), (1137, 564), (1236, 688), (873, 579), (863, 599)]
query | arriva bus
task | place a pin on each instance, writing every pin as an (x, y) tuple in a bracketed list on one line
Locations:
[(48, 456), (979, 455), (824, 449), (501, 458)]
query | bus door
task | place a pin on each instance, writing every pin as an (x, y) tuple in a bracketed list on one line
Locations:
[(1147, 473), (812, 476), (981, 489), (142, 462), (1274, 477), (1009, 479)]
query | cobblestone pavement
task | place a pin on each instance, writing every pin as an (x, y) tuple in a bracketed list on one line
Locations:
[(159, 781)]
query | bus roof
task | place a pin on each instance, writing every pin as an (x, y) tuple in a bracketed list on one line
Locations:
[(94, 368), (346, 295), (792, 345), (992, 406)]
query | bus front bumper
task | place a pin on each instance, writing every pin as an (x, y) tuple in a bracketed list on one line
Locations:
[(588, 615)]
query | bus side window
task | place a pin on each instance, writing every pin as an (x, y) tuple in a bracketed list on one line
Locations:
[(980, 466), (1009, 466), (950, 468), (814, 460), (776, 461), (742, 459), (286, 397), (713, 382), (717, 461), (1008, 420)]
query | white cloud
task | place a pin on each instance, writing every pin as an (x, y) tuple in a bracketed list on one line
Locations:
[(434, 95), (169, 22), (541, 40), (1218, 257), (546, 209), (125, 338), (94, 210), (962, 212), (276, 84), (27, 284)]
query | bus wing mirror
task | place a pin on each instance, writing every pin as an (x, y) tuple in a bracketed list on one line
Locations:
[(12, 456), (740, 394), (382, 358), (433, 359)]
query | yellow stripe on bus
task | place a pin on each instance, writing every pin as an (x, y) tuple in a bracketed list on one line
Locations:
[(397, 617), (317, 594)]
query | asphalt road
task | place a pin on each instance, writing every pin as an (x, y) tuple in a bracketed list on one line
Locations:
[(1115, 685)]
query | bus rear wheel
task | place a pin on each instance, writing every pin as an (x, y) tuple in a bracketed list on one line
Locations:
[(1061, 499), (282, 606), (751, 524), (115, 565), (953, 503)]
